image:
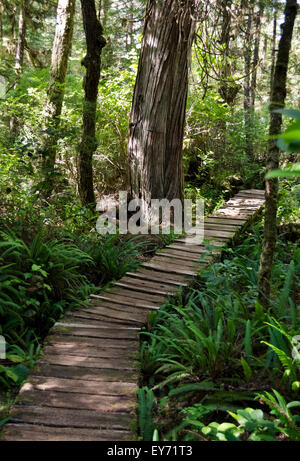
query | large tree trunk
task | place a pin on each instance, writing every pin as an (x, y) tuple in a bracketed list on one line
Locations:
[(19, 59), (92, 62), (59, 62), (159, 102), (278, 96)]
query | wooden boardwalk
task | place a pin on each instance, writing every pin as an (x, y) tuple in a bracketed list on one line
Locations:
[(82, 387)]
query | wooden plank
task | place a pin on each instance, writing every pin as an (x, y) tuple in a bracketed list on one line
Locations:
[(88, 374), (169, 269), (183, 255), (45, 383), (70, 348), (144, 288), (63, 417), (151, 275), (247, 202), (103, 333), (34, 433), (217, 241), (154, 284), (251, 197), (77, 401), (98, 319), (121, 307), (104, 314), (196, 250), (233, 213), (216, 219), (165, 258), (71, 322), (97, 342), (131, 294), (110, 297), (258, 192), (221, 226), (218, 233), (89, 362)]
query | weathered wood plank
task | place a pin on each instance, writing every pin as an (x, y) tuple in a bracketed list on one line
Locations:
[(71, 348), (104, 333), (227, 221), (29, 432), (168, 268), (143, 288), (155, 284), (44, 383), (95, 304), (97, 342), (88, 374), (63, 417), (148, 274), (119, 363), (165, 258), (104, 314), (122, 300), (183, 255), (131, 294), (77, 401)]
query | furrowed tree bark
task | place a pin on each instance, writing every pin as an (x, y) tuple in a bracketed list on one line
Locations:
[(59, 62), (92, 62), (19, 60), (159, 102), (278, 96)]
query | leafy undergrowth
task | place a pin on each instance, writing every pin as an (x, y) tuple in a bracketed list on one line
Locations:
[(41, 280), (216, 365)]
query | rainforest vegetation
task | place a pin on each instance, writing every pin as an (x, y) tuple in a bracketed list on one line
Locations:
[(164, 99)]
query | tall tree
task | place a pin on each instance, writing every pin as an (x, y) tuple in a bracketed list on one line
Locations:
[(278, 96), (255, 61), (159, 100), (247, 85), (19, 57), (59, 63), (274, 42), (95, 42)]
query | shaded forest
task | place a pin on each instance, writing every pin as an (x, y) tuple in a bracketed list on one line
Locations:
[(163, 100)]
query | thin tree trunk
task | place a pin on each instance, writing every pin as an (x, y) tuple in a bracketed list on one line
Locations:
[(19, 59), (247, 91), (225, 38), (159, 101), (92, 62), (273, 59), (278, 96), (59, 63), (256, 57)]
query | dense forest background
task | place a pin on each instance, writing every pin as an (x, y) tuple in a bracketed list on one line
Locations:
[(70, 77), (231, 70)]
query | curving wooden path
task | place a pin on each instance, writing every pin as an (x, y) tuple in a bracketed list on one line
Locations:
[(82, 388)]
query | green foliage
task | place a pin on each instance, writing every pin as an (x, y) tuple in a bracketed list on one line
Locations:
[(146, 401), (289, 141), (211, 346), (112, 255), (41, 280), (38, 282)]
